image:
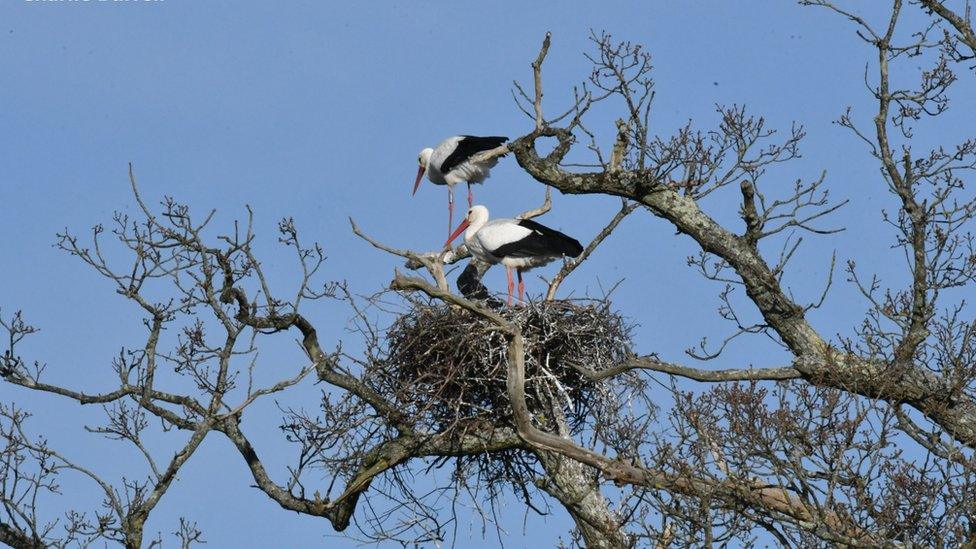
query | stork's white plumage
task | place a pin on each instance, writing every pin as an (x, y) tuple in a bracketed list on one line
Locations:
[(451, 162), (519, 244)]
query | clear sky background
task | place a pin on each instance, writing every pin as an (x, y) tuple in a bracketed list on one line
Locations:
[(317, 110)]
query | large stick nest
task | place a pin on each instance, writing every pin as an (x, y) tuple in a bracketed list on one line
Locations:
[(447, 366)]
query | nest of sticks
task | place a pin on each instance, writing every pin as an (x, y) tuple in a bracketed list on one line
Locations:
[(448, 367)]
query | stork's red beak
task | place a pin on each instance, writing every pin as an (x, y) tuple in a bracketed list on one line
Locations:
[(420, 176), (464, 225)]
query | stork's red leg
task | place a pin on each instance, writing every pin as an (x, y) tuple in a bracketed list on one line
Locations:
[(470, 196), (450, 209), (521, 286), (511, 284)]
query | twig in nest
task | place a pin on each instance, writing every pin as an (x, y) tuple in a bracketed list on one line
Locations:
[(450, 367)]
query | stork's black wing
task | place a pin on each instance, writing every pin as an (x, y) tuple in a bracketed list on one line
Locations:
[(542, 241), (469, 146)]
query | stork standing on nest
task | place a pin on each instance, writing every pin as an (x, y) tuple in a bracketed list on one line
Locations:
[(519, 244), (453, 161)]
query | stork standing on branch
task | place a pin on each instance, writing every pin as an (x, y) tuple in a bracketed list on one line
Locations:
[(462, 158), (519, 244)]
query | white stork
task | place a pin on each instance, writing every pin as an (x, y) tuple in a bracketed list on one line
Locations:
[(450, 163), (519, 244)]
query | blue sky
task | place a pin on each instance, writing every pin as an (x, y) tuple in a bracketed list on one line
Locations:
[(317, 110)]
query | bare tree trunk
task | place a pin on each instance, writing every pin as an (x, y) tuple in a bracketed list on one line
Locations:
[(576, 486)]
